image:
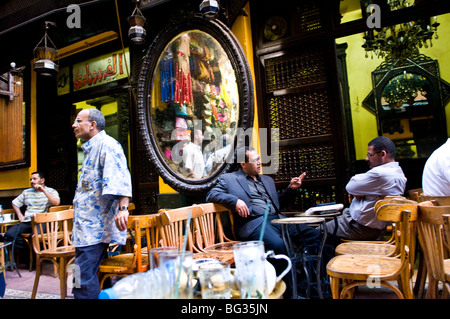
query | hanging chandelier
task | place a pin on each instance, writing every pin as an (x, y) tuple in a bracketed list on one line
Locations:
[(402, 40)]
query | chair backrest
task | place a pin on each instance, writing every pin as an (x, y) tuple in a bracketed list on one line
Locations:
[(53, 230), (58, 208), (173, 224), (147, 226), (432, 237), (415, 193), (208, 229), (404, 215), (438, 200)]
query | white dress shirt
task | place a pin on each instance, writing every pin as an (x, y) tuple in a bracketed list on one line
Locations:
[(436, 173), (382, 180)]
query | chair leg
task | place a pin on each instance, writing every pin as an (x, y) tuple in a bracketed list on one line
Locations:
[(62, 277), (419, 286), (335, 287), (432, 288), (36, 278)]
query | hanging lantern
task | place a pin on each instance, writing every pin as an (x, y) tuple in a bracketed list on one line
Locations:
[(46, 55), (137, 32), (209, 8)]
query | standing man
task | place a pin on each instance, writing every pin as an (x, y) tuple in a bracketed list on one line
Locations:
[(384, 178), (101, 200), (193, 161), (436, 173), (37, 199)]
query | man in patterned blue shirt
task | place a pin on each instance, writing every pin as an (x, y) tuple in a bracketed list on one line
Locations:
[(101, 200)]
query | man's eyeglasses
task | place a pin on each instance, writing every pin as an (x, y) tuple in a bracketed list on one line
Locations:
[(370, 155)]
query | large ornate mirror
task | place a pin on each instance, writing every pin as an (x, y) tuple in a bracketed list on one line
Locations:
[(195, 95), (408, 99)]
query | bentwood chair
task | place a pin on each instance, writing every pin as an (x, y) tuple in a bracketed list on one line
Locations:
[(210, 240), (211, 234), (27, 237), (355, 270), (419, 287), (438, 200), (433, 237), (388, 248), (173, 226), (145, 231), (51, 241)]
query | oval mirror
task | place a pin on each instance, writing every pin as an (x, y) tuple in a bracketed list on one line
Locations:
[(195, 97)]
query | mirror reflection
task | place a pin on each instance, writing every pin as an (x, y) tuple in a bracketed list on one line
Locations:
[(407, 89), (194, 105)]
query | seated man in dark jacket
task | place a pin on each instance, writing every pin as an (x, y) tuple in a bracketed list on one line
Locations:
[(247, 193)]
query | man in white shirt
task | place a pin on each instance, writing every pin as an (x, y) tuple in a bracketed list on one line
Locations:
[(194, 164), (384, 178), (436, 173)]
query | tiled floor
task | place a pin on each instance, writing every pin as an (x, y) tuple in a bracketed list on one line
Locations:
[(21, 287)]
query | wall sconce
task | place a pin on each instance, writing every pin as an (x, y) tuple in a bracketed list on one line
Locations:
[(209, 8), (137, 20), (46, 54), (7, 81)]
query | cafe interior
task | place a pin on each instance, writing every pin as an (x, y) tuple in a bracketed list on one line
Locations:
[(306, 83)]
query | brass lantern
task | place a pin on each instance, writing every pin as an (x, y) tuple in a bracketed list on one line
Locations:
[(46, 55), (137, 32), (209, 8)]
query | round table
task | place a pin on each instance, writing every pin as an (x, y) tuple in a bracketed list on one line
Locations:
[(327, 215), (302, 255)]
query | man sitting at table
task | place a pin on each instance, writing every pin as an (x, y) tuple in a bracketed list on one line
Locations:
[(37, 199), (247, 193), (384, 178)]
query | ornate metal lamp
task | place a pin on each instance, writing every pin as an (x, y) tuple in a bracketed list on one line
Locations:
[(209, 8), (137, 32), (46, 54), (402, 40)]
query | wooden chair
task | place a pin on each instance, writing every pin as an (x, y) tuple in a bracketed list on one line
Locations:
[(388, 248), (356, 270), (419, 287), (210, 240), (433, 231), (173, 224), (415, 193), (439, 200), (209, 232), (58, 208), (53, 244), (27, 237), (146, 226)]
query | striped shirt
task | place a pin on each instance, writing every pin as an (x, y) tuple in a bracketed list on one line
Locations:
[(36, 201)]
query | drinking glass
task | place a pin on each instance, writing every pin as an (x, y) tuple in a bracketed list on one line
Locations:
[(176, 274), (155, 252), (215, 280)]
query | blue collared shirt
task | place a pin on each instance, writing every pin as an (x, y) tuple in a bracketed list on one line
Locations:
[(104, 177)]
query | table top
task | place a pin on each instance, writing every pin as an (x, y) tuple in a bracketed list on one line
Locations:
[(9, 222), (299, 220), (303, 214)]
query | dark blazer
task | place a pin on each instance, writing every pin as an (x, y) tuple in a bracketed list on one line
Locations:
[(234, 186)]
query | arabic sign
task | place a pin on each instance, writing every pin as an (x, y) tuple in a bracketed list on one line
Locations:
[(100, 70)]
